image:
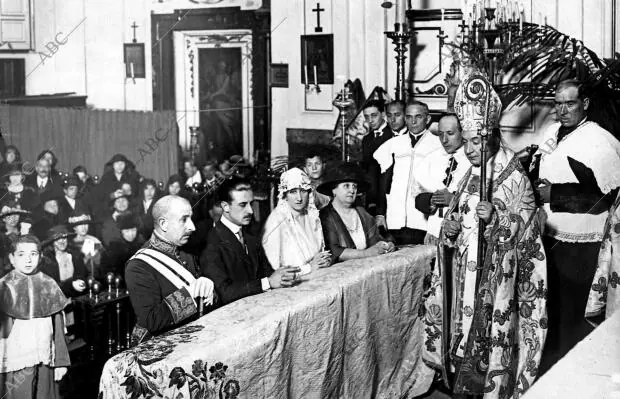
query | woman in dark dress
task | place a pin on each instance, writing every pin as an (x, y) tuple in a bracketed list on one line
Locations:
[(65, 266), (148, 195), (10, 158), (350, 231)]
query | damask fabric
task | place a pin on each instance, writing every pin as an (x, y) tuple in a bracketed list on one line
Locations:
[(604, 298), (492, 331), (348, 331)]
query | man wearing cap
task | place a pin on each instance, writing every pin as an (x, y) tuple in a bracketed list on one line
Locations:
[(164, 283), (398, 158), (485, 319)]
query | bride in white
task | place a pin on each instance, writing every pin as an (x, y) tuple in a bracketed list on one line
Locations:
[(292, 235)]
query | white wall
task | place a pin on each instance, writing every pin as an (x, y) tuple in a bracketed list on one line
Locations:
[(91, 61), (362, 51)]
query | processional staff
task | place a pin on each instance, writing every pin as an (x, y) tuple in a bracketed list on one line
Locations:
[(478, 89)]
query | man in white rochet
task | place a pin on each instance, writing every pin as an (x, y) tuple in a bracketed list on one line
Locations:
[(164, 283), (398, 158)]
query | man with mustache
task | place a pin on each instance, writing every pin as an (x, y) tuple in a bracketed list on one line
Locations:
[(164, 283), (234, 259)]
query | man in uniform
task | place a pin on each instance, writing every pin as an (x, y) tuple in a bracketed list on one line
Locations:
[(164, 283)]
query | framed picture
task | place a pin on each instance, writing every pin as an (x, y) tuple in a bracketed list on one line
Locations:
[(317, 54), (133, 56), (278, 75)]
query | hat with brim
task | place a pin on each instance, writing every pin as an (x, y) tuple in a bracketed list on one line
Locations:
[(79, 219), (114, 197), (343, 173), (126, 222), (51, 195), (71, 181), (56, 233), (8, 211)]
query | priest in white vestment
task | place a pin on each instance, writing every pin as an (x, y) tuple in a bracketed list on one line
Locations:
[(398, 158)]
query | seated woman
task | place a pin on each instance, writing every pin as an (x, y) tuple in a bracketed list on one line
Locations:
[(350, 231), (65, 267), (14, 189), (292, 235), (88, 245), (147, 197), (10, 159)]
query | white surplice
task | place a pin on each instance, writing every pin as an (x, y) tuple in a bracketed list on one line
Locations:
[(401, 211)]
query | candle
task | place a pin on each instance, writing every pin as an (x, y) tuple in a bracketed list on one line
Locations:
[(400, 12), (306, 74), (509, 36), (443, 12), (521, 22), (131, 69), (315, 77)]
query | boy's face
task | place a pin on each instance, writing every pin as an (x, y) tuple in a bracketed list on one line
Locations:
[(25, 259)]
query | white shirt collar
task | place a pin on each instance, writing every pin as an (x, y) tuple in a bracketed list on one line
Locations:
[(196, 178), (231, 226), (71, 201), (380, 130), (42, 179), (400, 132)]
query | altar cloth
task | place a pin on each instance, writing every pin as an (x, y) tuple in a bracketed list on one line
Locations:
[(348, 331)]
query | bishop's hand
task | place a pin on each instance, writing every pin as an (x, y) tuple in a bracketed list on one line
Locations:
[(485, 211)]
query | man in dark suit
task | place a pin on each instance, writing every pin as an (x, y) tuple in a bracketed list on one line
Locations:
[(164, 283), (41, 181), (378, 133), (234, 259)]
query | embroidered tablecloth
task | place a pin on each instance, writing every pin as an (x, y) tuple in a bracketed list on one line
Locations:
[(586, 371), (348, 331)]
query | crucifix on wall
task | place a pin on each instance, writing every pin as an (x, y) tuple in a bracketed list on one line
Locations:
[(318, 11)]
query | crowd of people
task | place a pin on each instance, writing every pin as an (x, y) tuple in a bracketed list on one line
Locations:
[(509, 287)]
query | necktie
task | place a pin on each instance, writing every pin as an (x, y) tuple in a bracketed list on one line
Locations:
[(241, 240), (450, 171)]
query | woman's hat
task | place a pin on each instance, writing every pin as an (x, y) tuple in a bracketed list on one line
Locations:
[(71, 181), (292, 179), (114, 196), (8, 210), (345, 172), (51, 195), (79, 218), (128, 221), (56, 233)]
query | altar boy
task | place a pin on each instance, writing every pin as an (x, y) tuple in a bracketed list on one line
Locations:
[(33, 352)]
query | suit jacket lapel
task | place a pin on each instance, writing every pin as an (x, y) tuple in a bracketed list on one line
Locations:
[(230, 239)]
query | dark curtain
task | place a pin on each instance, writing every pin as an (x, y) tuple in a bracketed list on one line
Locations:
[(92, 137)]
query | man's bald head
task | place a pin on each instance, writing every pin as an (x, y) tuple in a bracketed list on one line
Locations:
[(172, 219)]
